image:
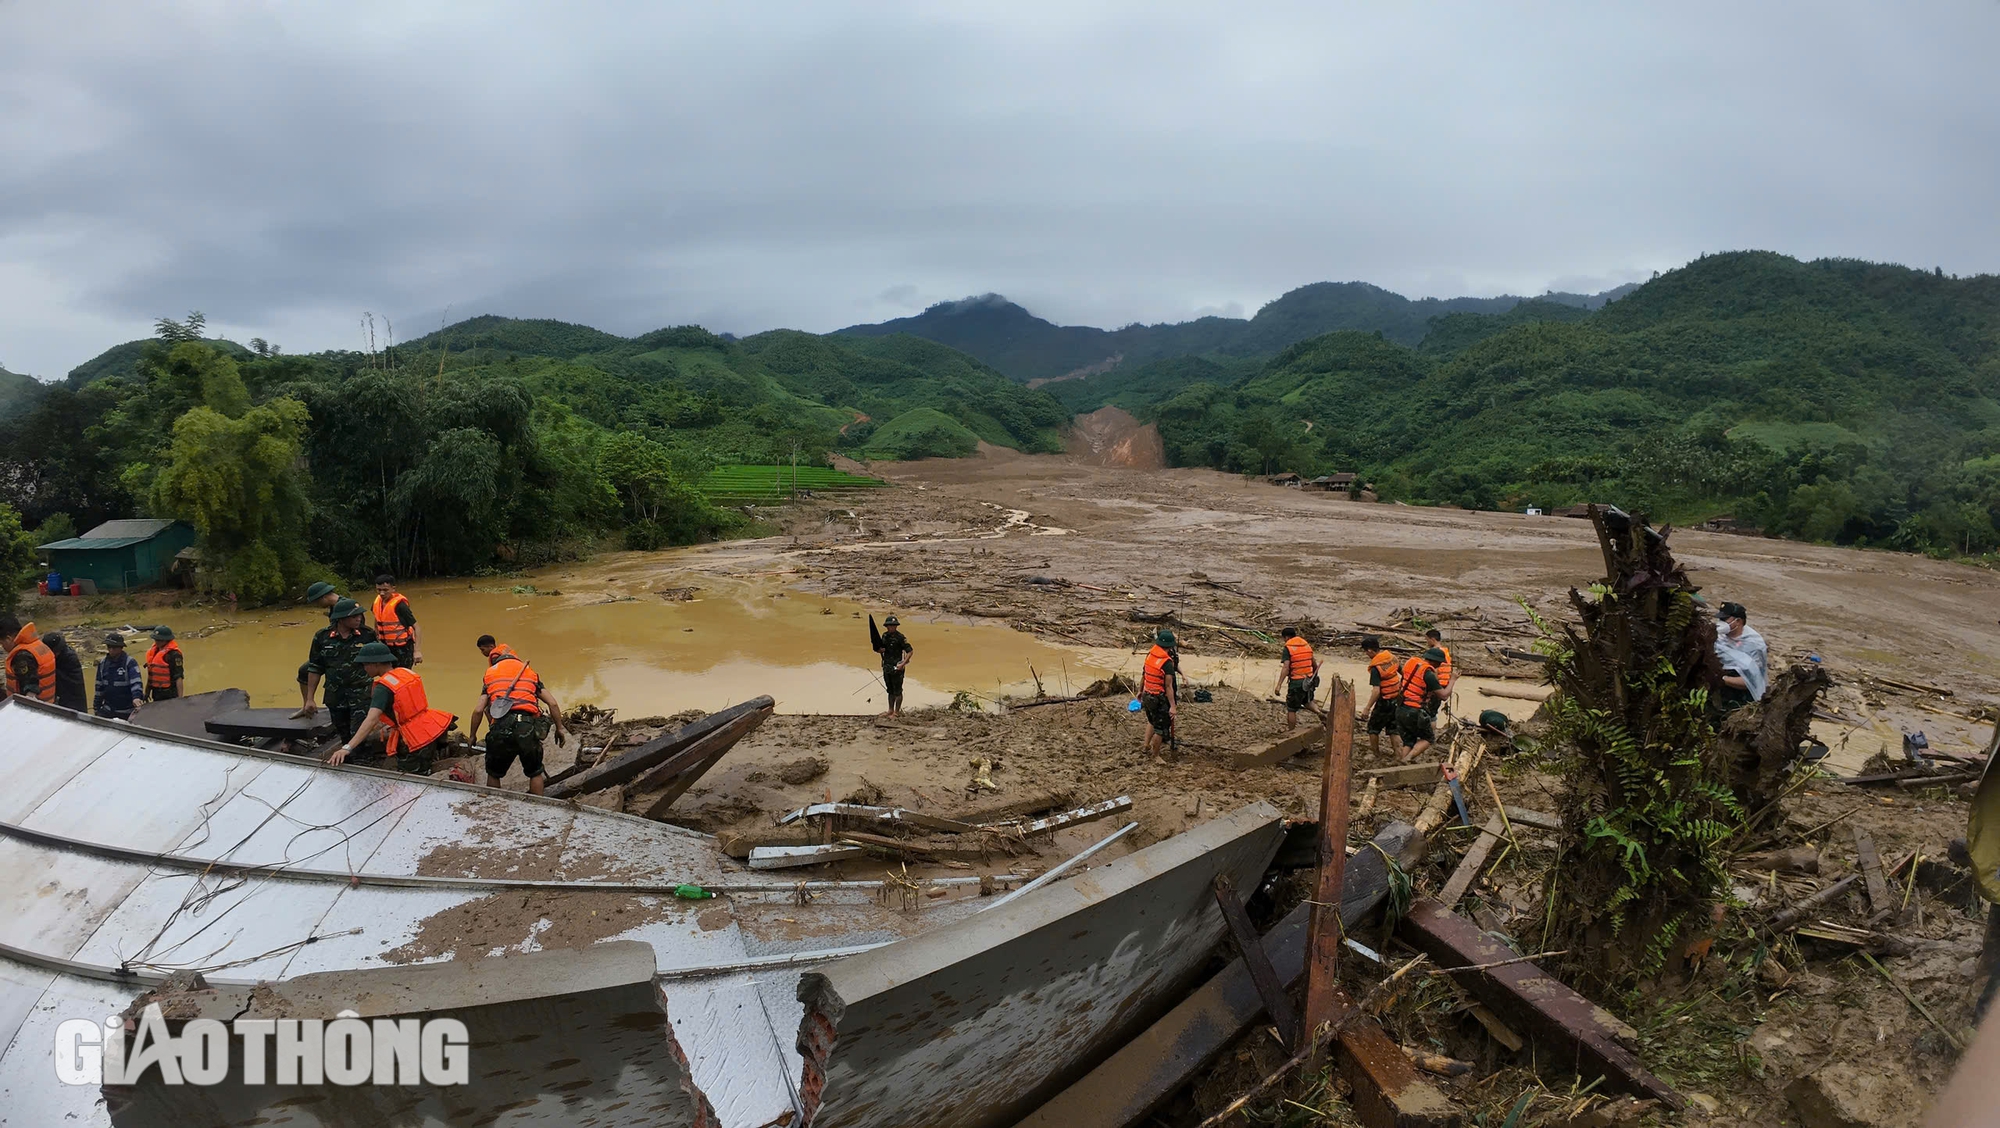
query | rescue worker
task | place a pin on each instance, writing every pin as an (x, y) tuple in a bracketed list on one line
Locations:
[(166, 669), (1443, 668), (397, 704), (511, 694), (31, 665), (331, 661), (1298, 676), (1158, 696), (71, 693), (1385, 692), (320, 594), (1421, 693), (896, 654), (396, 624), (121, 685)]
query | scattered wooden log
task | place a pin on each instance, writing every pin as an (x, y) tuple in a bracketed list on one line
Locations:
[(786, 857), (1537, 819), (936, 849), (740, 843), (1033, 803), (1437, 1063), (1402, 775), (1871, 872), (1500, 1031), (1469, 866), (1368, 796), (1874, 943), (1910, 687), (866, 813), (654, 752), (1580, 1031), (1278, 749), (1071, 818), (1509, 691), (1046, 701), (1525, 655), (1270, 990), (1322, 1004), (679, 772), (1790, 916)]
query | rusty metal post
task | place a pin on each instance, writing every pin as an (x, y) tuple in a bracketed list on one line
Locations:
[(1323, 1000)]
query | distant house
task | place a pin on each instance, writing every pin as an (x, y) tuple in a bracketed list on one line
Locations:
[(1726, 523), (1332, 482), (120, 554), (1286, 479), (1582, 511)]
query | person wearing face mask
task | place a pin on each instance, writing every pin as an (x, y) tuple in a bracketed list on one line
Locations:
[(1745, 659)]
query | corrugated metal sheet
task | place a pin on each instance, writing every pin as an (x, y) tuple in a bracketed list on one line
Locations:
[(125, 851)]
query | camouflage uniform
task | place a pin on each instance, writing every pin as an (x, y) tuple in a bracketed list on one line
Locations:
[(344, 684)]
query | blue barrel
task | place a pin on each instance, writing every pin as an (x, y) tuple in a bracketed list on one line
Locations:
[(56, 585)]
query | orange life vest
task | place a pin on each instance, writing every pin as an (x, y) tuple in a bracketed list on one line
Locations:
[(389, 630), (1388, 678), (45, 664), (511, 680), (159, 675), (1444, 668), (1414, 690), (500, 650), (411, 720), (1299, 656), (1154, 682)]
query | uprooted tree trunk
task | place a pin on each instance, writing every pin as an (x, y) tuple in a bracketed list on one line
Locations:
[(1652, 790)]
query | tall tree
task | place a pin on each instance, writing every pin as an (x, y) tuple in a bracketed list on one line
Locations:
[(238, 482)]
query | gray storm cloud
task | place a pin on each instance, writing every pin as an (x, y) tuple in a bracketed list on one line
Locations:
[(285, 167)]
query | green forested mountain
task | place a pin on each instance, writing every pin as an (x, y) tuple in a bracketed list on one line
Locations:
[(1026, 347), (15, 390), (491, 441), (1832, 400)]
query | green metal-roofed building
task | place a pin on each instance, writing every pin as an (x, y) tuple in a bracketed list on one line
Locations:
[(120, 554)]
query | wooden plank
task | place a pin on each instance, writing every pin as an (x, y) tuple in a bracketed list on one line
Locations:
[(786, 857), (654, 752), (1580, 1033), (1469, 866), (258, 724), (1537, 819), (1420, 774), (1323, 952), (1513, 692), (1277, 1003), (1140, 1076), (1387, 1091), (879, 814), (1081, 815), (1871, 872), (1279, 750)]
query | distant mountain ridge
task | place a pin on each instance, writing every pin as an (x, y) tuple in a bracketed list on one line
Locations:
[(1009, 338)]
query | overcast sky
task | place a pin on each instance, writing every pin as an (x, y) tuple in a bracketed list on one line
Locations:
[(284, 167)]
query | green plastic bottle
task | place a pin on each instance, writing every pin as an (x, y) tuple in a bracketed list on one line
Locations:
[(692, 892)]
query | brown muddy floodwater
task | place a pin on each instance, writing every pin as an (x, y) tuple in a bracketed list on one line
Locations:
[(604, 633)]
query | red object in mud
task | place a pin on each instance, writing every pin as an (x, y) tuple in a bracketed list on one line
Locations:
[(75, 588)]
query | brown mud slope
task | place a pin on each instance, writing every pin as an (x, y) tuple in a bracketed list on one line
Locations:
[(1110, 436), (1094, 556)]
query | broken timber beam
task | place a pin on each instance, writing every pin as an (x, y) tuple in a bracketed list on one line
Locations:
[(1870, 862), (1510, 691), (1324, 948), (1387, 1092), (1142, 1074), (880, 814), (786, 857), (654, 752), (1418, 774), (1072, 818), (1475, 859), (681, 771), (1270, 991), (1276, 751), (1584, 1034)]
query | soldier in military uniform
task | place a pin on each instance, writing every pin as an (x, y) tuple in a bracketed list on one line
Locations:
[(332, 660), (320, 594)]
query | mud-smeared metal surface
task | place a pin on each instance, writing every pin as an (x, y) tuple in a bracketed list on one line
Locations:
[(989, 1016)]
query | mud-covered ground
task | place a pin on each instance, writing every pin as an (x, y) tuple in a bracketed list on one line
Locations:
[(1762, 1032)]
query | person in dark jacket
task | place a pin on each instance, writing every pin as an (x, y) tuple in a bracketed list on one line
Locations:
[(121, 685), (70, 690)]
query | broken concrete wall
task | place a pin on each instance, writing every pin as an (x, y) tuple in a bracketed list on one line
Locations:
[(979, 1022)]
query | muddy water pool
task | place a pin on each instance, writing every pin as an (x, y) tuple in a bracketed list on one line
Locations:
[(617, 633)]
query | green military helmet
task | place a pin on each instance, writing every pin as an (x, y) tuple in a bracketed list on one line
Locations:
[(1493, 720), (1164, 637), (163, 634), (373, 653), (345, 609), (1433, 655), (318, 591)]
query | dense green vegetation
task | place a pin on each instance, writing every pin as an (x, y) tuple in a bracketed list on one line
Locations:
[(1026, 347), (1838, 401), (736, 485), (16, 391), (490, 442)]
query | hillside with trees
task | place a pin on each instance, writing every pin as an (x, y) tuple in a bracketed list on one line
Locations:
[(1837, 401), (492, 442), (1026, 347)]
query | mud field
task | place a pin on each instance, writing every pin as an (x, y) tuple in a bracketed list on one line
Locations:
[(1761, 1034)]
